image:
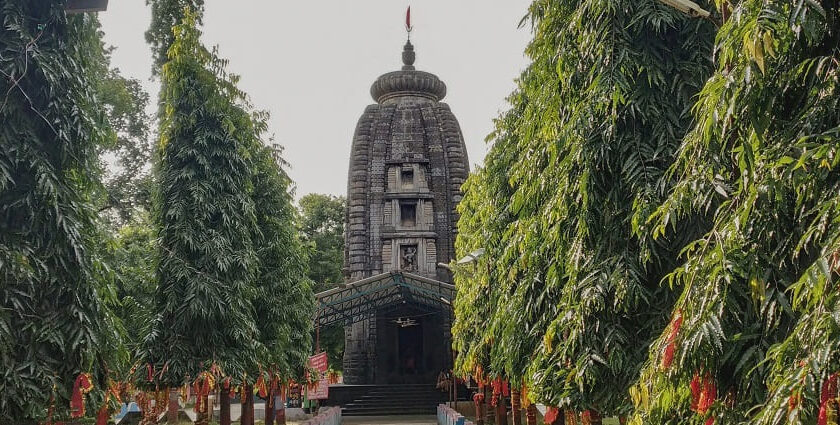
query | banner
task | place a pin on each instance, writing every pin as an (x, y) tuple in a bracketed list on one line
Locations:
[(321, 390)]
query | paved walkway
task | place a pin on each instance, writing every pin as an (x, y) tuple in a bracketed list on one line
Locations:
[(390, 420)]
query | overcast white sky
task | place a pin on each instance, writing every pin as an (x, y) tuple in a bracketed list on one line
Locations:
[(311, 64)]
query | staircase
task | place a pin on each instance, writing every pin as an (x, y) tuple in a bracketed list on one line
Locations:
[(388, 400)]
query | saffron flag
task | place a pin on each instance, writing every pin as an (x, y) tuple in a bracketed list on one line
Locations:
[(408, 19)]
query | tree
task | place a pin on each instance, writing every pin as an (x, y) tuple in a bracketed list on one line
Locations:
[(55, 320), (206, 219), (484, 218), (322, 229), (284, 304), (759, 340), (570, 279), (166, 14)]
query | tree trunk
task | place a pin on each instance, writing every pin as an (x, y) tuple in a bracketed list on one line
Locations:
[(280, 414), (173, 407), (479, 413), (250, 405), (516, 406), (269, 408), (531, 415), (501, 411), (488, 412), (203, 417), (594, 417), (247, 417), (224, 406), (455, 390)]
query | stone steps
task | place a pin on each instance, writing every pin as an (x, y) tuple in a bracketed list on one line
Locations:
[(415, 399)]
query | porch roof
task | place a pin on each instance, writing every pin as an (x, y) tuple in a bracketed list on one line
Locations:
[(354, 301)]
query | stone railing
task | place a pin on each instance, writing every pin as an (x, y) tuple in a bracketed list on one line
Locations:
[(331, 416), (448, 416)]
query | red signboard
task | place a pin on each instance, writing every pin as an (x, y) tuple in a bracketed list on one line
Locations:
[(321, 390)]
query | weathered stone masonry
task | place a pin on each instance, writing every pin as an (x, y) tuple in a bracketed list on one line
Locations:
[(407, 164)]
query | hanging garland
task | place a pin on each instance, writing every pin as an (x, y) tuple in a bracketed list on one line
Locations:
[(82, 386), (202, 386)]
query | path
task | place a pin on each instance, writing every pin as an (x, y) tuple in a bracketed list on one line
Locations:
[(389, 420)]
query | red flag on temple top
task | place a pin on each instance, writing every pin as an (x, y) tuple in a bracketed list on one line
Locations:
[(408, 19)]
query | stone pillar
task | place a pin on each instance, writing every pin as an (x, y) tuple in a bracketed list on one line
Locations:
[(355, 353), (371, 348)]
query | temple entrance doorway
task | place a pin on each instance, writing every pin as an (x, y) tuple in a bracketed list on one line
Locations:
[(410, 346)]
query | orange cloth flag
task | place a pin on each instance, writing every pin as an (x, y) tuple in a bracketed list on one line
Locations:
[(103, 415), (551, 415), (828, 404), (261, 388), (670, 345)]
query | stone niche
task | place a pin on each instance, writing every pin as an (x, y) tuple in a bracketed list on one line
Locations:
[(407, 178), (406, 215), (408, 258), (413, 255)]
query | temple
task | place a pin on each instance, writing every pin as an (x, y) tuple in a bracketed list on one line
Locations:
[(407, 164)]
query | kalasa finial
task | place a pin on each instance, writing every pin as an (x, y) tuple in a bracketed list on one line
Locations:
[(408, 56)]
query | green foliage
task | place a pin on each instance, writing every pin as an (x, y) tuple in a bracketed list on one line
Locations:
[(568, 294), (166, 14), (759, 289), (284, 304), (322, 228), (206, 218), (132, 257), (55, 320), (128, 187)]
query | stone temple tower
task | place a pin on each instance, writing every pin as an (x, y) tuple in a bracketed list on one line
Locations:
[(407, 164)]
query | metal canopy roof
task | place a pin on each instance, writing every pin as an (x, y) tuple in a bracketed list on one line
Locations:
[(355, 301)]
